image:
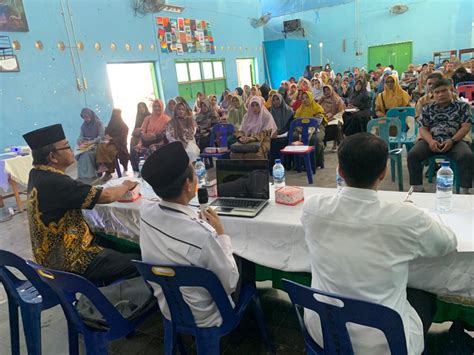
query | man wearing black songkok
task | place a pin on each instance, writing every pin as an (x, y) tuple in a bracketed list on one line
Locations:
[(60, 237)]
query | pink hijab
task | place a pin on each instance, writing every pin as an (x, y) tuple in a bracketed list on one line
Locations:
[(255, 123)]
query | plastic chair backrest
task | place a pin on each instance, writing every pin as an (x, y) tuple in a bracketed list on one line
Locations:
[(467, 90), (382, 125), (220, 132), (464, 83), (402, 113), (342, 310), (172, 277), (68, 285), (10, 281), (305, 124)]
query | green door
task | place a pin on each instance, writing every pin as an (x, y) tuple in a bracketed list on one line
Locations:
[(397, 54)]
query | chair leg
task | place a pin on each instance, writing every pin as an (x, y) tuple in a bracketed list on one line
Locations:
[(309, 170), (392, 169), (170, 338), (400, 173), (207, 345), (14, 327), (95, 343), (431, 169), (31, 317), (73, 338), (257, 310)]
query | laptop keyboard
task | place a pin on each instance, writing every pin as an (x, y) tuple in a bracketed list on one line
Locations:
[(236, 203)]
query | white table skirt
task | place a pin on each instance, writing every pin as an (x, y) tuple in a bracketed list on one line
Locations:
[(275, 238)]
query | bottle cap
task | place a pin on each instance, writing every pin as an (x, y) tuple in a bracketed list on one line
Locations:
[(445, 163), (277, 161)]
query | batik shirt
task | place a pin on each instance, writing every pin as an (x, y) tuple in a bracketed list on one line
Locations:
[(444, 122), (60, 236)]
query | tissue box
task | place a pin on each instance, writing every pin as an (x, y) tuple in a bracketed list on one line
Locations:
[(132, 195), (216, 150), (289, 195)]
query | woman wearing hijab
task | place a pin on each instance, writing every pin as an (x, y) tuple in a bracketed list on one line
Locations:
[(205, 120), (182, 128), (292, 93), (317, 88), (282, 90), (246, 94), (282, 115), (324, 77), (169, 110), (225, 101), (329, 71), (142, 112), (268, 102), (303, 84), (356, 119), (311, 109), (152, 134), (334, 108), (214, 106), (181, 99), (257, 128), (265, 91), (392, 96), (381, 84), (92, 132), (254, 91), (114, 146), (345, 91), (239, 91), (237, 112), (295, 105)]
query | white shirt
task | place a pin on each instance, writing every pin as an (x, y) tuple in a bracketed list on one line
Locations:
[(172, 233), (360, 247)]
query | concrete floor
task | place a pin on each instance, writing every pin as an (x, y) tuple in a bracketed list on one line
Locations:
[(280, 316)]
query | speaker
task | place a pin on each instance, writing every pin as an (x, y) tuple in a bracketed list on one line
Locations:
[(291, 25)]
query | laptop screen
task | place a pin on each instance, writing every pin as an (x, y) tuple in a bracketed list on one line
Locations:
[(242, 178)]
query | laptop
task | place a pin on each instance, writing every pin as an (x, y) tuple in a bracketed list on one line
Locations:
[(242, 187)]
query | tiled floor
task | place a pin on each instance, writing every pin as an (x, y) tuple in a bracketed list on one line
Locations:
[(280, 316)]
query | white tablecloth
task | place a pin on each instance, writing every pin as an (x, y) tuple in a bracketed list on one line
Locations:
[(18, 168), (275, 238)]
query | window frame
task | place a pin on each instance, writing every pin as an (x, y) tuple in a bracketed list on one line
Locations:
[(201, 61)]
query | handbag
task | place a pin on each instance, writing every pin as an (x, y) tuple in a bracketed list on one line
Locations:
[(251, 147)]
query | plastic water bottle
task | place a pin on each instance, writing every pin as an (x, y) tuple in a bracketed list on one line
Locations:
[(340, 182), (444, 188), (140, 166), (201, 172), (278, 174)]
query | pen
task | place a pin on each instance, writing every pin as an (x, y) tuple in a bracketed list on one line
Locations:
[(407, 198)]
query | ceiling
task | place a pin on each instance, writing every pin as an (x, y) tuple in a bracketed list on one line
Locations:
[(285, 7)]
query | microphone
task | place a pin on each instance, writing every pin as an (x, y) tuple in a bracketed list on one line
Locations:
[(203, 198)]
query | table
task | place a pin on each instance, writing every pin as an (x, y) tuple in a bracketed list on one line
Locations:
[(14, 170), (275, 238)]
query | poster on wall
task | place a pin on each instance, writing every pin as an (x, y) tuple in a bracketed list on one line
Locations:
[(184, 35), (12, 16)]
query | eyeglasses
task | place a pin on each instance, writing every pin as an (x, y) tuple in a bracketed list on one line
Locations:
[(63, 148)]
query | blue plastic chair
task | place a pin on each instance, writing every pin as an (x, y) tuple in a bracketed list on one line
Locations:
[(219, 134), (172, 277), (305, 124), (381, 126), (334, 318), (453, 166), (32, 296), (66, 286), (402, 113)]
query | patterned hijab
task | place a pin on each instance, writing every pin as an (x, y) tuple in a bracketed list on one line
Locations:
[(236, 114), (182, 129)]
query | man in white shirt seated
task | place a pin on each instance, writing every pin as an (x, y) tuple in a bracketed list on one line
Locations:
[(173, 233), (361, 246)]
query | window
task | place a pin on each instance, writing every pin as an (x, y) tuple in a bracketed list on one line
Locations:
[(218, 70), (182, 72), (207, 70), (206, 76), (195, 71)]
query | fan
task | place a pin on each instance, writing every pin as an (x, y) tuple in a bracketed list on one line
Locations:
[(146, 6), (398, 9), (261, 21)]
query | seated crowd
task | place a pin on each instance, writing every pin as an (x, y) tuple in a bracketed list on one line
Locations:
[(171, 138)]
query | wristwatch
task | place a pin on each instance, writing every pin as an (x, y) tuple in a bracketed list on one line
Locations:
[(454, 140)]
